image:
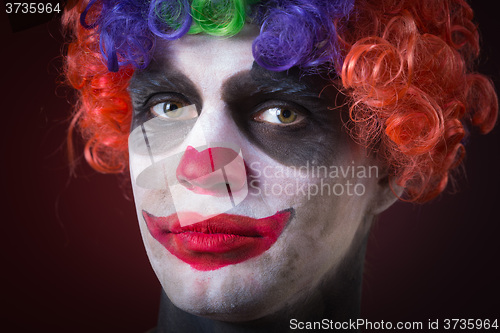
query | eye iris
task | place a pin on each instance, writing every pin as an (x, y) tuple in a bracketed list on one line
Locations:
[(170, 107), (286, 116), (172, 110)]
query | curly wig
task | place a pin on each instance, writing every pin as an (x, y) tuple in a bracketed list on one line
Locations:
[(406, 67)]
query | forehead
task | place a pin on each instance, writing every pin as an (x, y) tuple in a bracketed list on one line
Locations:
[(208, 58)]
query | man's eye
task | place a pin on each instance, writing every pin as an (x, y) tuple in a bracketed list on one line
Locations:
[(175, 111), (279, 115)]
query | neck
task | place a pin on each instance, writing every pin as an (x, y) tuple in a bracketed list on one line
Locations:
[(337, 299)]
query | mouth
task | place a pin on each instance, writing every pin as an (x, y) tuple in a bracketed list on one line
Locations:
[(219, 241)]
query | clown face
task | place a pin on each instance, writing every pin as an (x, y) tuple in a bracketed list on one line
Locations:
[(249, 193)]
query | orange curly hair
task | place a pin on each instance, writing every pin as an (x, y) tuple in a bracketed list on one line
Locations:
[(409, 72)]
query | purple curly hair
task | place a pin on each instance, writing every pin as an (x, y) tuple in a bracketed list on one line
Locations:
[(293, 33)]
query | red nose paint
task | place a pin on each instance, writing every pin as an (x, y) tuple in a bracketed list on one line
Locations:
[(197, 171), (219, 241)]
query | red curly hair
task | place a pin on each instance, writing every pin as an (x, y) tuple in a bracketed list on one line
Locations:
[(407, 71)]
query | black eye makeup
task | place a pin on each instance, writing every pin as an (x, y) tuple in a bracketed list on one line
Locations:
[(292, 118), (289, 116), (162, 92)]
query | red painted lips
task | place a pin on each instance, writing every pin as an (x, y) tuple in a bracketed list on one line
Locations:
[(219, 241)]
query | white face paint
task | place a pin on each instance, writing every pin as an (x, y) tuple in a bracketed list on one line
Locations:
[(279, 223)]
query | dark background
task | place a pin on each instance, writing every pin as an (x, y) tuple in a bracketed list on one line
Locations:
[(72, 259)]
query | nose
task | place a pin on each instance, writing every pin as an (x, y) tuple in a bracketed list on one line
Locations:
[(214, 171)]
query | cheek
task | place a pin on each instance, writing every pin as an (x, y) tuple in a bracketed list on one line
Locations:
[(321, 235), (330, 201), (156, 202)]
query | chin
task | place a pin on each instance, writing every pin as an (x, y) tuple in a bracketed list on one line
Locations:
[(233, 293)]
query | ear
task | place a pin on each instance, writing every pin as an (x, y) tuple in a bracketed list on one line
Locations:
[(388, 193)]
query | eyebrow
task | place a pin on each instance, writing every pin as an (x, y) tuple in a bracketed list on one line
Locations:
[(258, 81), (160, 77)]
